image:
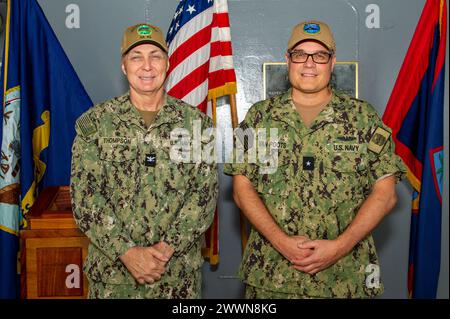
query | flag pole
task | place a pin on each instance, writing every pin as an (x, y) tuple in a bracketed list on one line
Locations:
[(213, 257), (242, 219), (234, 117), (214, 111)]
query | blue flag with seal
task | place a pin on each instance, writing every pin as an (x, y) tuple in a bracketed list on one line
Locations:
[(415, 113), (42, 98)]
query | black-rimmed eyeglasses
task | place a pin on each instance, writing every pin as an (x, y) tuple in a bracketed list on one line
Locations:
[(320, 57)]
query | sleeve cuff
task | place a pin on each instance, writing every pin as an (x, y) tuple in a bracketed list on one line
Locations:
[(117, 246)]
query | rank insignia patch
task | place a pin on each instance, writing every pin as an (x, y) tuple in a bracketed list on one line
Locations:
[(308, 163), (150, 160)]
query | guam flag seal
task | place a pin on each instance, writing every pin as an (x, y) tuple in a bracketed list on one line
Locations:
[(415, 114)]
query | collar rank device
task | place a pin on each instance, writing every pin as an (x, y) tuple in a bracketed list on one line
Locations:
[(308, 163), (150, 160)]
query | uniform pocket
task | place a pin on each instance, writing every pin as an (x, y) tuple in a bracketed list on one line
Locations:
[(120, 165), (274, 190), (346, 162), (117, 153), (344, 172), (173, 176), (276, 184)]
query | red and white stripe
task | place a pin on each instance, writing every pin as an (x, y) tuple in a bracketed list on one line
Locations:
[(200, 56)]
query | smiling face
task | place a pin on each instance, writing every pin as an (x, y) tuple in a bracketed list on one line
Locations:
[(145, 67), (310, 77)]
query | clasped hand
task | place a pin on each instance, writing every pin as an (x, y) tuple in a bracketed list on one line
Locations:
[(311, 256), (147, 264)]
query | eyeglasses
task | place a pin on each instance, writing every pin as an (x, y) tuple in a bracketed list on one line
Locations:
[(320, 57)]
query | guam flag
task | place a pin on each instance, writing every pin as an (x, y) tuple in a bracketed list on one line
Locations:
[(42, 97), (415, 114)]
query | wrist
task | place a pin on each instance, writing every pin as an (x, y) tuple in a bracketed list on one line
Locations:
[(344, 245), (278, 239), (126, 255)]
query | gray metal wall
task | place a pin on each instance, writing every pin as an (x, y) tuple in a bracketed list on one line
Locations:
[(260, 29)]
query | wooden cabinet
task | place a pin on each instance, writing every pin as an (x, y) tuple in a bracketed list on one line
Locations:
[(53, 249)]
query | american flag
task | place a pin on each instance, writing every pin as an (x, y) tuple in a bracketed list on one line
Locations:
[(201, 68), (200, 54)]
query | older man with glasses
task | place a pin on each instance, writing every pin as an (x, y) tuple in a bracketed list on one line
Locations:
[(335, 180)]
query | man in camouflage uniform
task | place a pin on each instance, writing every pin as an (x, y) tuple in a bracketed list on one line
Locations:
[(334, 182), (143, 209)]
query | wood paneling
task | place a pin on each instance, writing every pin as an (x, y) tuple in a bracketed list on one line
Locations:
[(53, 249)]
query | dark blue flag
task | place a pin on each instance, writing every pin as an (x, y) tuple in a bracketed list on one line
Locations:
[(415, 114), (42, 97)]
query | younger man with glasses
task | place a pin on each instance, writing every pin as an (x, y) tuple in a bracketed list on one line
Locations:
[(334, 183)]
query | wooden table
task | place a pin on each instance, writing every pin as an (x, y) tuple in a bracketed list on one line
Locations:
[(52, 249)]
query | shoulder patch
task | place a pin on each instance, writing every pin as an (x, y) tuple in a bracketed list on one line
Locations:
[(86, 126), (378, 140)]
